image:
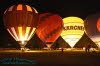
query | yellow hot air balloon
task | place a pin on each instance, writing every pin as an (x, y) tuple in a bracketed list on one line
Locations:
[(21, 22), (73, 30)]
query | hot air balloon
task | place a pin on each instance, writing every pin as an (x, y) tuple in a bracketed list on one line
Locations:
[(92, 28), (73, 30), (49, 28), (21, 22)]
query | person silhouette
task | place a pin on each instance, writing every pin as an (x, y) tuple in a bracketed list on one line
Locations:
[(62, 50), (87, 48)]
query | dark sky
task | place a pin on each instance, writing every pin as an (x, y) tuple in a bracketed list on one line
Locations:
[(70, 7), (65, 8)]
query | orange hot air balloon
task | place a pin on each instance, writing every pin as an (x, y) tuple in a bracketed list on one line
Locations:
[(21, 22), (49, 28)]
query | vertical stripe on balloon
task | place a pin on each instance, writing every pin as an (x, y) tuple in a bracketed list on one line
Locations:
[(35, 10), (14, 32), (10, 9), (27, 32), (20, 33), (31, 33), (19, 7), (28, 8)]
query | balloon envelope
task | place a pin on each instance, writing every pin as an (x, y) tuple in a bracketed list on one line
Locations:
[(73, 30), (49, 28), (21, 22), (92, 28)]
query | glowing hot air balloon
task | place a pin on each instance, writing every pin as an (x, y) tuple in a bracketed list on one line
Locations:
[(73, 30), (49, 28), (21, 21), (92, 28)]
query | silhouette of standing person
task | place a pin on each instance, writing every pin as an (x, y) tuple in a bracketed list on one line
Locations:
[(87, 48), (62, 50)]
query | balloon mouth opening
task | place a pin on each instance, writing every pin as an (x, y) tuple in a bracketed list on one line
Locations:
[(48, 45), (72, 46), (22, 43)]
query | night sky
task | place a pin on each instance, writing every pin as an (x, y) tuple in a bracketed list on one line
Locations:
[(65, 8)]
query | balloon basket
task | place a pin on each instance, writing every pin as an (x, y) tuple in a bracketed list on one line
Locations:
[(49, 46), (22, 47)]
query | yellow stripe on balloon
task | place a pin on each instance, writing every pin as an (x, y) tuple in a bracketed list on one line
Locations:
[(27, 32), (28, 8), (32, 33)]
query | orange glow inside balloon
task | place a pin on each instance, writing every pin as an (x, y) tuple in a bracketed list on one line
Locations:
[(98, 25), (19, 7), (48, 45), (21, 35)]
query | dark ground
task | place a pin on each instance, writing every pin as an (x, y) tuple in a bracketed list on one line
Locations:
[(56, 58)]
